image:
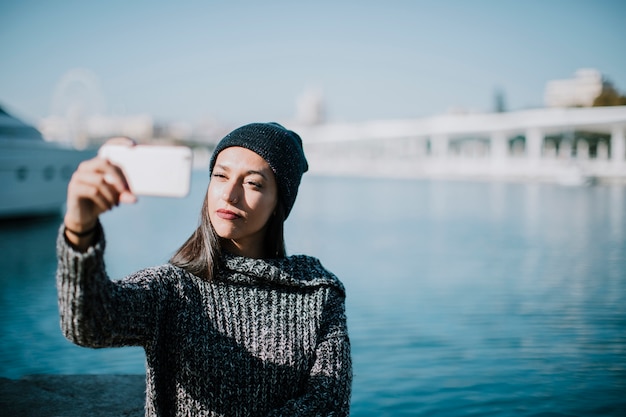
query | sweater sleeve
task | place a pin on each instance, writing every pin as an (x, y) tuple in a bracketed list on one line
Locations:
[(95, 311), (328, 390)]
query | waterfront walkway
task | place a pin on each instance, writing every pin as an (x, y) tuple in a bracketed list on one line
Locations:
[(73, 396)]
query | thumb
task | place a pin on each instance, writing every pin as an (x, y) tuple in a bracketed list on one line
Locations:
[(128, 198)]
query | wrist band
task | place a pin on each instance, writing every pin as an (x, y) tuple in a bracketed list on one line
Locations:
[(83, 233)]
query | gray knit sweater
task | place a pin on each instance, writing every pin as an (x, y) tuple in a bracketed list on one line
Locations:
[(264, 338)]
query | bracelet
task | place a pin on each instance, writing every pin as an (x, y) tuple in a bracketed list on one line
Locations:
[(83, 233)]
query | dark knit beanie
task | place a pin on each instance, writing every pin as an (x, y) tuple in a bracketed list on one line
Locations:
[(280, 147)]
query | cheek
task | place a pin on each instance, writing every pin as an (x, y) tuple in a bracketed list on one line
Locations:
[(212, 203), (212, 195), (263, 207)]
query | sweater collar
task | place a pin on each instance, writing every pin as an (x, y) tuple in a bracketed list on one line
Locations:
[(292, 271)]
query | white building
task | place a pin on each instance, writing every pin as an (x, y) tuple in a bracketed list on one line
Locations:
[(579, 91), (82, 132), (310, 109)]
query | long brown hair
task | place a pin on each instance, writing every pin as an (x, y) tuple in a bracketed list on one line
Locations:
[(200, 255)]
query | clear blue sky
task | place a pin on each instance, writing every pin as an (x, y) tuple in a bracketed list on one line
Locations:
[(241, 61)]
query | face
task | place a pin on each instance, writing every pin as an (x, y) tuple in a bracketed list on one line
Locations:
[(242, 196)]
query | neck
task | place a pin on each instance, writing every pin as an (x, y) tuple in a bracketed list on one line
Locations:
[(245, 250)]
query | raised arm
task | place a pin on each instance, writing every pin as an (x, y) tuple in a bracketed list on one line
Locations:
[(96, 186), (94, 310), (98, 312)]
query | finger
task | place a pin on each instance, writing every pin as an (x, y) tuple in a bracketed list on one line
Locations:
[(100, 188), (103, 182), (116, 184), (128, 197), (91, 165), (114, 176), (102, 201), (110, 180), (107, 191), (90, 184)]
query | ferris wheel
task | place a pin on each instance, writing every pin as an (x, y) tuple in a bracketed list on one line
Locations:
[(78, 95), (77, 98)]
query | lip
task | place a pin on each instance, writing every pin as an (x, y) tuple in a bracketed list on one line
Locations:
[(227, 214)]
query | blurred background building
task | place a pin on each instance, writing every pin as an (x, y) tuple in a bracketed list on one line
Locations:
[(579, 91), (578, 137)]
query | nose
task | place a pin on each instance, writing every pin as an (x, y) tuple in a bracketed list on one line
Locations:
[(230, 192)]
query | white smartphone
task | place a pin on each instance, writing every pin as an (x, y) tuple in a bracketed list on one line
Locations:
[(163, 171)]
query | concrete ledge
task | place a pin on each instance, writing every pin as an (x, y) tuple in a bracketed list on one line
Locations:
[(73, 396)]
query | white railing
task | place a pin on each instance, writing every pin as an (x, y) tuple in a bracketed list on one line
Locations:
[(531, 144)]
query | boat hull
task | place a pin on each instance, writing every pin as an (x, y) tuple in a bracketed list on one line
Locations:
[(34, 176)]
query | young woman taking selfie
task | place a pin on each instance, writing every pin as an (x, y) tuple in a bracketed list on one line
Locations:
[(231, 325)]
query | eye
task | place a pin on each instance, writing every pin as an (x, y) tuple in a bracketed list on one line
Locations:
[(218, 174), (255, 184)]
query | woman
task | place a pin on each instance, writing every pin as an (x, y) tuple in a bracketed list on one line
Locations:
[(230, 326)]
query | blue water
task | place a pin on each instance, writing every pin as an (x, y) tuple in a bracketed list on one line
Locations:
[(464, 299)]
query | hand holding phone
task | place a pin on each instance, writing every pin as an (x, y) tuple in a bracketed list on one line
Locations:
[(163, 171)]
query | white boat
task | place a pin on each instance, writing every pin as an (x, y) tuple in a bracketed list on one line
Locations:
[(33, 173)]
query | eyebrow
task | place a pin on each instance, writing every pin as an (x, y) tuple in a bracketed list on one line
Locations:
[(250, 172), (253, 172)]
